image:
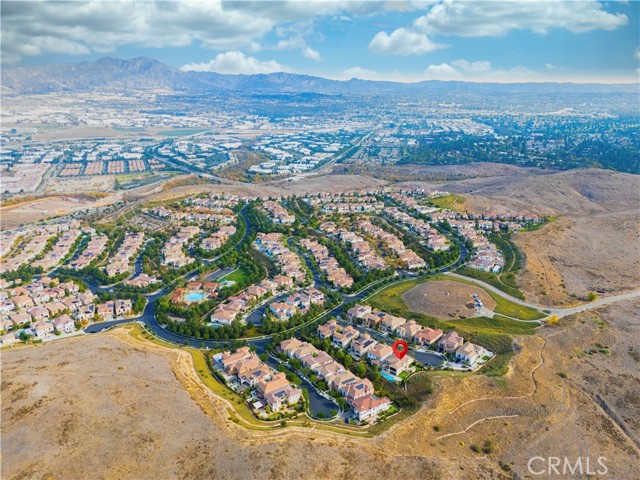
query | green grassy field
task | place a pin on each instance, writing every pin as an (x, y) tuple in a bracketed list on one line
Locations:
[(239, 275), (452, 202)]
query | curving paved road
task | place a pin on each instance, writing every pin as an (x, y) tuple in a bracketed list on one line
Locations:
[(559, 311)]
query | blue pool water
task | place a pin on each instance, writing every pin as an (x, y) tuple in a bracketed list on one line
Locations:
[(391, 378), (194, 296)]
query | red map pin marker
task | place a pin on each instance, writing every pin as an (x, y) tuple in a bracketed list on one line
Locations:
[(400, 348)]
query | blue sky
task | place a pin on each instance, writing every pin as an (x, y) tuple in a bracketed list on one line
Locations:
[(581, 40)]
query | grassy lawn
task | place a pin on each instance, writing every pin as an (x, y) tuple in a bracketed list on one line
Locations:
[(498, 324), (239, 275), (452, 202), (505, 307), (390, 298), (497, 281)]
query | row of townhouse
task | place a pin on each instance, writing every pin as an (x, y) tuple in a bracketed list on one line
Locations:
[(215, 200), (95, 247), (297, 302), (30, 248), (434, 240), (363, 347), (411, 331), (486, 256), (277, 213), (365, 255), (408, 257), (356, 202), (289, 263), (249, 371), (60, 249), (218, 238), (142, 280), (328, 264), (239, 304), (121, 260), (358, 393), (173, 250), (44, 305)]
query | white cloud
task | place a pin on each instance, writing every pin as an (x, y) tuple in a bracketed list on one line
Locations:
[(235, 62), (480, 71), (637, 54), (489, 18), (443, 71), (311, 54), (31, 28), (403, 42), (549, 66), (472, 67), (294, 37)]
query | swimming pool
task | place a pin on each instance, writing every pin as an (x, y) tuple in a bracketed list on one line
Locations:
[(194, 296), (391, 378)]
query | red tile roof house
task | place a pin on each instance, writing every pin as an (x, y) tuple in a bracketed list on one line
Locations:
[(395, 366), (283, 282), (304, 350), (360, 346), (329, 370), (358, 311), (228, 359), (370, 406), (289, 346), (344, 338), (7, 306), (278, 392), (359, 389), (315, 361), (282, 311), (223, 316), (39, 313), (86, 313), (340, 381), (245, 365), (42, 329), (64, 323), (408, 330), (427, 336), (469, 353), (252, 377), (22, 301), (326, 330), (390, 323), (123, 307), (19, 318), (55, 308), (379, 353), (450, 342), (106, 310)]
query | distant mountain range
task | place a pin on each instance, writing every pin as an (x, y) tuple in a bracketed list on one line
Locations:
[(112, 74)]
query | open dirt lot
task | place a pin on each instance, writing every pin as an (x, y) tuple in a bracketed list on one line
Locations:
[(96, 183), (16, 215), (446, 299)]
